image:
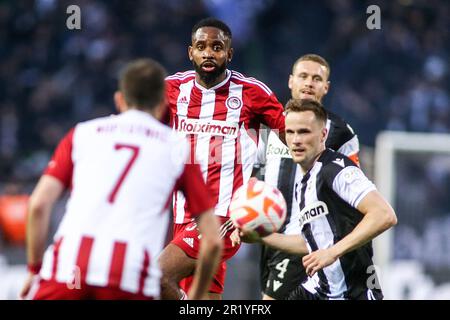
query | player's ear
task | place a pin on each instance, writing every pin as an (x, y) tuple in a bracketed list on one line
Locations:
[(291, 79), (230, 54), (327, 87), (119, 101), (323, 137), (191, 57)]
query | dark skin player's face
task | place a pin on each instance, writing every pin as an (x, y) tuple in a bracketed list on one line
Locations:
[(210, 54)]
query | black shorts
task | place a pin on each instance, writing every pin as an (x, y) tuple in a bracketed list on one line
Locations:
[(300, 293), (280, 273)]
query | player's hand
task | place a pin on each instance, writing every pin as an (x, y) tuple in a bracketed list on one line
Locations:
[(317, 260), (235, 237), (27, 285), (249, 236)]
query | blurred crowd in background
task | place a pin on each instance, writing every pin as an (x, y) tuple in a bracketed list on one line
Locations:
[(395, 78)]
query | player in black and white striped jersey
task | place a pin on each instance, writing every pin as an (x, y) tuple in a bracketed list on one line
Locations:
[(340, 212), (280, 271)]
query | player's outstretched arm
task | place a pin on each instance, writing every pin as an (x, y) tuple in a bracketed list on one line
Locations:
[(209, 255), (292, 244), (378, 217), (42, 200)]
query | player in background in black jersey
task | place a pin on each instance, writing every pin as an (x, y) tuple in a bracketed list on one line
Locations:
[(340, 212), (281, 272)]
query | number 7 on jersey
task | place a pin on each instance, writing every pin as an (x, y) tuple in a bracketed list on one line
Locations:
[(134, 155)]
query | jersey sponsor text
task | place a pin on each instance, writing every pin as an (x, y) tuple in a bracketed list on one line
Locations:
[(315, 210), (213, 127)]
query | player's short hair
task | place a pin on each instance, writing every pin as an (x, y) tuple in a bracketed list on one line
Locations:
[(315, 58), (142, 83), (215, 23), (302, 105)]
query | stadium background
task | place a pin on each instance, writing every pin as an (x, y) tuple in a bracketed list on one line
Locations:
[(395, 78)]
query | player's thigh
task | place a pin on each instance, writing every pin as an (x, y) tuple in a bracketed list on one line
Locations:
[(175, 263), (300, 293), (286, 272), (267, 254)]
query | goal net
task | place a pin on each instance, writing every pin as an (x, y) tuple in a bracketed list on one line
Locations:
[(412, 171)]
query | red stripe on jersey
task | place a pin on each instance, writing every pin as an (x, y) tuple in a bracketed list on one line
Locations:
[(238, 175), (144, 272), (193, 145), (84, 253), (193, 112), (117, 262), (172, 92), (174, 205), (216, 144), (55, 257), (214, 167)]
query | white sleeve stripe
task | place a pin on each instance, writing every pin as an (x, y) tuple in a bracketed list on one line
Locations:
[(363, 194), (180, 75)]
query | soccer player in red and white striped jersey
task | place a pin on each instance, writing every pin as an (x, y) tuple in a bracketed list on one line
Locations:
[(122, 171), (220, 111)]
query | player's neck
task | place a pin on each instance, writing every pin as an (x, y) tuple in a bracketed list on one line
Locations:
[(308, 166), (155, 113), (210, 84)]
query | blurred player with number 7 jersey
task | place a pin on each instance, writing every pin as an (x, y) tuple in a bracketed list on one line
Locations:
[(122, 171)]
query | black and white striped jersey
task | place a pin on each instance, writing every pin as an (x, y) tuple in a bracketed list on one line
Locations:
[(327, 197), (280, 171)]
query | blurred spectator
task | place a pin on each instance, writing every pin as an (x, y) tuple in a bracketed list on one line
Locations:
[(53, 77), (395, 78)]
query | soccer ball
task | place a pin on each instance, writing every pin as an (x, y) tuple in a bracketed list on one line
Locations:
[(259, 207)]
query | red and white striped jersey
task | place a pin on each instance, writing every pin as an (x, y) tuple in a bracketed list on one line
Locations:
[(122, 170), (222, 125)]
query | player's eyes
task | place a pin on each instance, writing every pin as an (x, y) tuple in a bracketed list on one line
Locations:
[(217, 48)]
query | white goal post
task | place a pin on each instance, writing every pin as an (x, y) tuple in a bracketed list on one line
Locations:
[(388, 146)]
